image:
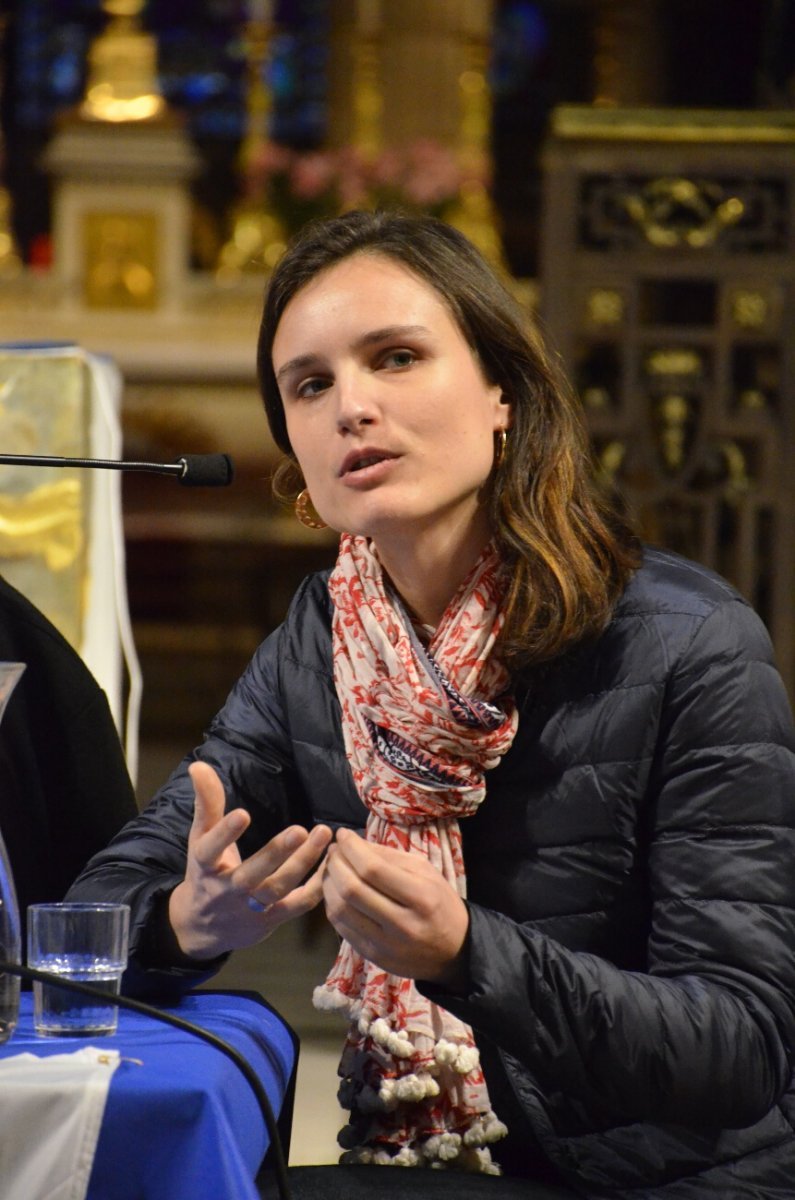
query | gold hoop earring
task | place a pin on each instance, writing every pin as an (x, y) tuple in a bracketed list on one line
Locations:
[(306, 512), (499, 450)]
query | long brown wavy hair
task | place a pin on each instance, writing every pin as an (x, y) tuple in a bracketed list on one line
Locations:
[(569, 550)]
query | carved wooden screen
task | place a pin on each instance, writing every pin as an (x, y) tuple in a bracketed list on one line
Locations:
[(668, 288)]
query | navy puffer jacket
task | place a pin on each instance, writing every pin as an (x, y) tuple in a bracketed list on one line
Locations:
[(631, 881)]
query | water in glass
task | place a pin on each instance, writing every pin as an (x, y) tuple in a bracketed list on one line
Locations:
[(59, 1013)]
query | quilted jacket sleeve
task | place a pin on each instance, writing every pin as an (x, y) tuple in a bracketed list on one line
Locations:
[(250, 749), (706, 1034)]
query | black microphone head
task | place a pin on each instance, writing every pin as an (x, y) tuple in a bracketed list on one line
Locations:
[(206, 470)]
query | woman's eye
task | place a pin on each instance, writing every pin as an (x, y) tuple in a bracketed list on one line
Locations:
[(311, 387), (396, 359)]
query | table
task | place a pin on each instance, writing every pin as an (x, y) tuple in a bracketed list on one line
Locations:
[(183, 1122)]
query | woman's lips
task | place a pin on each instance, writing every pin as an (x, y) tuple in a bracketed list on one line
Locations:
[(367, 468)]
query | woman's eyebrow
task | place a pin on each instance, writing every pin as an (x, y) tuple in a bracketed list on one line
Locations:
[(298, 363), (389, 331), (372, 337)]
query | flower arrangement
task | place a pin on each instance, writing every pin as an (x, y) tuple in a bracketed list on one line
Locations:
[(297, 186)]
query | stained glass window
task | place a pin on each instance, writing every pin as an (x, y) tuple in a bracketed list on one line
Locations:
[(202, 73)]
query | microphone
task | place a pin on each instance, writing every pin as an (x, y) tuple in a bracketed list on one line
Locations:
[(88, 989), (191, 470)]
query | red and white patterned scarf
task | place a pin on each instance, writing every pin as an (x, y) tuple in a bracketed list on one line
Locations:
[(421, 727)]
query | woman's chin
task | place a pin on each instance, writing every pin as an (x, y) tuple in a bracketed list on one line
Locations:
[(370, 523)]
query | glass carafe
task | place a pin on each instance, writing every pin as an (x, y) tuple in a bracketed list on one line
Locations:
[(10, 941)]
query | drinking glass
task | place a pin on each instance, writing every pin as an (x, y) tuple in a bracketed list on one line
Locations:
[(82, 942)]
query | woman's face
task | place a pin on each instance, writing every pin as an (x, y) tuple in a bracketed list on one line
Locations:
[(387, 409)]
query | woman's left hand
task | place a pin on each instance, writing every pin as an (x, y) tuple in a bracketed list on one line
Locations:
[(396, 909)]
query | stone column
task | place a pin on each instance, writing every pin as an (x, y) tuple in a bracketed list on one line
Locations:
[(421, 51), (627, 58)]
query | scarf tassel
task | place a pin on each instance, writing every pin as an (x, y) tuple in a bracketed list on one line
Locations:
[(392, 1088)]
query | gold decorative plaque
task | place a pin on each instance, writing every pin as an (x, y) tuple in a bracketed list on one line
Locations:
[(120, 260)]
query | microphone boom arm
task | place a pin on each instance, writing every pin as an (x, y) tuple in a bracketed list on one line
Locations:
[(191, 470), (112, 464)]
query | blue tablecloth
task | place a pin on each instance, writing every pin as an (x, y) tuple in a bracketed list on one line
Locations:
[(185, 1124)]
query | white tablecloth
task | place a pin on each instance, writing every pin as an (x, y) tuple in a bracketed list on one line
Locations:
[(50, 1113)]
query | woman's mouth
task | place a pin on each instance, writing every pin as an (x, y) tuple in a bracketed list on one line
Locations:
[(366, 466), (366, 462)]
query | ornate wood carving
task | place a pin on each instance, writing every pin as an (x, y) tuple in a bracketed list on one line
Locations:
[(668, 286)]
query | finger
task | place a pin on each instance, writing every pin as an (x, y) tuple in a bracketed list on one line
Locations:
[(263, 862), (281, 866), (389, 872), (312, 890), (212, 832), (359, 928), (209, 802), (347, 889), (299, 901), (400, 940)]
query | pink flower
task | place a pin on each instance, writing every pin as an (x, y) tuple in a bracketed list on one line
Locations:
[(268, 160), (352, 177), (433, 175), (312, 174), (271, 158), (423, 174), (387, 168)]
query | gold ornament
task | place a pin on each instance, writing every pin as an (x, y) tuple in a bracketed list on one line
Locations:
[(122, 69), (499, 452), (306, 512)]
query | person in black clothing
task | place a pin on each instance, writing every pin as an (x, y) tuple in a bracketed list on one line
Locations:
[(65, 787)]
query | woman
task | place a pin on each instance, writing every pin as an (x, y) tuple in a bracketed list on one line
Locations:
[(587, 740)]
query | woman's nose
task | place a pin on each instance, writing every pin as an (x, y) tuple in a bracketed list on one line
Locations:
[(356, 404)]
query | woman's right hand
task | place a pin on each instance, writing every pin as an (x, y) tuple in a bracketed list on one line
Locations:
[(210, 911)]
